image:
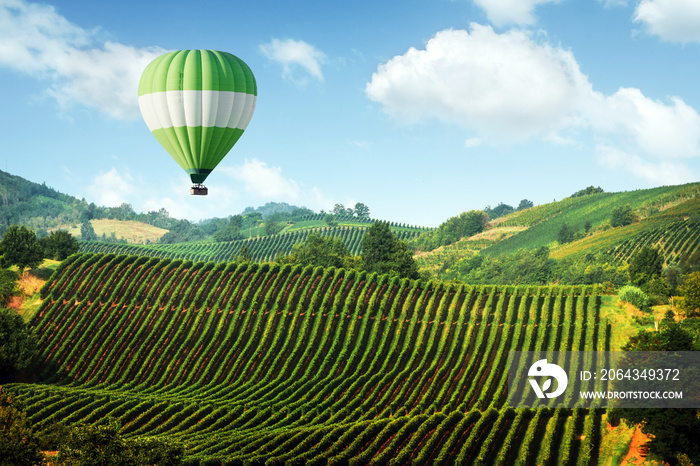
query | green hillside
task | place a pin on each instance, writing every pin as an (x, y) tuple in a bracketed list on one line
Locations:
[(544, 222), (260, 364)]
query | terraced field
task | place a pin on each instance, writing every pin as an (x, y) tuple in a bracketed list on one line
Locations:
[(261, 364)]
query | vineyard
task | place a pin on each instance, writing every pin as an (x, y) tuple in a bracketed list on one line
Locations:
[(673, 240), (262, 364), (260, 249)]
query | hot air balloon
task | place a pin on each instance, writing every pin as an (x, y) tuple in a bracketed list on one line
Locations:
[(197, 103)]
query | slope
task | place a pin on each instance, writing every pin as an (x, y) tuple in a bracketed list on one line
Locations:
[(266, 364)]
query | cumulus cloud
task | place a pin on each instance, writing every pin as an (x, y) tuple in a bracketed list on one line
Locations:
[(293, 54), (502, 12), (511, 87), (671, 20), (656, 172), (111, 188), (263, 181), (500, 84), (79, 67)]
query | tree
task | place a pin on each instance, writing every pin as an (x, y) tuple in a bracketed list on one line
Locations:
[(87, 232), (621, 216), (647, 263), (330, 220), (272, 227), (20, 247), (674, 431), (318, 250), (689, 304), (566, 234), (8, 286), (17, 343), (361, 210), (525, 204), (382, 252), (19, 445), (59, 245)]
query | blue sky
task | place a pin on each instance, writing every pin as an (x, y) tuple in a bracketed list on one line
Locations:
[(419, 109)]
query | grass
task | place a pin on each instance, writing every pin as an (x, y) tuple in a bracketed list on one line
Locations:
[(28, 301), (130, 230)]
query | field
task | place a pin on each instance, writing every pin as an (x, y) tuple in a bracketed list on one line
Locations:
[(129, 230), (261, 364), (260, 249)]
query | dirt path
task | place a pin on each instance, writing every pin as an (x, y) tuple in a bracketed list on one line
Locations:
[(638, 448)]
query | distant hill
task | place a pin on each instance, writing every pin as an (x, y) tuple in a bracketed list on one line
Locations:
[(37, 206), (667, 218)]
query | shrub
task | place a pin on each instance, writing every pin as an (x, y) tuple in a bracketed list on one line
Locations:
[(635, 296)]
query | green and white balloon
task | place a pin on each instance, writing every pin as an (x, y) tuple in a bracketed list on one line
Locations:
[(197, 103)]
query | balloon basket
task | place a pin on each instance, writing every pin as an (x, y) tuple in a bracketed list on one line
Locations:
[(199, 190)]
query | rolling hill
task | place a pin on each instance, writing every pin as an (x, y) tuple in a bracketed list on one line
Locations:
[(262, 364)]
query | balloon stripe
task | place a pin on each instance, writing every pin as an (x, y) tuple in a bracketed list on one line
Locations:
[(158, 106)]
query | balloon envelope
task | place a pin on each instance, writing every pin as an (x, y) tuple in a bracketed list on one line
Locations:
[(197, 103)]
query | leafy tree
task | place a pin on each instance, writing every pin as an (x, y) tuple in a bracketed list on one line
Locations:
[(272, 227), (330, 220), (361, 210), (20, 247), (19, 445), (499, 211), (587, 226), (8, 286), (690, 295), (589, 190), (17, 343), (621, 216), (674, 431), (59, 245), (647, 263), (382, 252), (566, 234), (87, 232), (318, 250), (182, 231), (525, 204)]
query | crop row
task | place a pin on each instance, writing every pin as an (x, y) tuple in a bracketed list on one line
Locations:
[(260, 249), (260, 362), (673, 240)]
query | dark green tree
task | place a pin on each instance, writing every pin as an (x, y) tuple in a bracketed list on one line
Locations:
[(566, 234), (674, 431), (273, 227), (382, 252), (330, 220), (690, 294), (621, 216), (59, 245), (361, 210), (525, 204), (20, 247), (317, 250), (19, 445), (17, 343), (645, 265), (87, 232), (8, 286)]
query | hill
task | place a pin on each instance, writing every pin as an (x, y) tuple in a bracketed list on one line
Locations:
[(666, 218), (267, 364)]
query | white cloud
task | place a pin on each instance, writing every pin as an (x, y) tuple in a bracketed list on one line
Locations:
[(662, 131), (508, 87), (473, 142), (671, 20), (499, 84), (111, 188), (502, 12), (291, 54), (81, 69), (263, 181), (657, 173)]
